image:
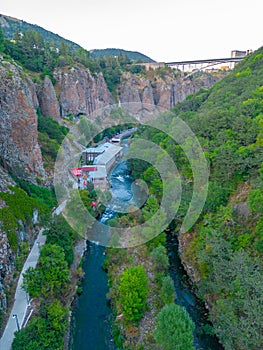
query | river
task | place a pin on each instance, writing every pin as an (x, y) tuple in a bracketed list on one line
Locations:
[(91, 317)]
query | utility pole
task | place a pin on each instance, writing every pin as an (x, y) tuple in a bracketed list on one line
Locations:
[(17, 323)]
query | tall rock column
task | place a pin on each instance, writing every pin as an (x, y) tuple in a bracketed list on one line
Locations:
[(47, 98), (80, 92), (19, 148)]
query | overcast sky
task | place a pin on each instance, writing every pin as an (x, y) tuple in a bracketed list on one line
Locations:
[(165, 30)]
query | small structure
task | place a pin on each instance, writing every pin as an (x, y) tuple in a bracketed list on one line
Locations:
[(76, 172), (238, 53), (103, 157), (152, 65), (88, 168), (117, 138), (99, 178), (109, 157), (89, 154)]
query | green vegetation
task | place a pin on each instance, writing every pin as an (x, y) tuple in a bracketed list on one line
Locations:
[(17, 26), (174, 328), (38, 52), (17, 214), (138, 293), (133, 290), (225, 246), (45, 331), (50, 278), (113, 67), (52, 128), (50, 283), (45, 196), (12, 212), (131, 55), (50, 136), (61, 234)]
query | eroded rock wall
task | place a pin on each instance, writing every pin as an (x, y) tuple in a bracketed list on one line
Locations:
[(79, 92), (19, 148), (162, 90)]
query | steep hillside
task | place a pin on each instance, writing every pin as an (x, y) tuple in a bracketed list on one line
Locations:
[(12, 25), (132, 55), (223, 252), (42, 90)]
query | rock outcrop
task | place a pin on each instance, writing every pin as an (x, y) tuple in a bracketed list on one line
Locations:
[(7, 258), (7, 263), (79, 92), (19, 149), (162, 90), (47, 98)]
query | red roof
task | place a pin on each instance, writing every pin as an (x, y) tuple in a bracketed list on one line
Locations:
[(89, 168), (76, 172)]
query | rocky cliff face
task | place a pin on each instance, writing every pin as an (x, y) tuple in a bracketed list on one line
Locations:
[(79, 92), (76, 92), (162, 90), (47, 98), (19, 149), (7, 258)]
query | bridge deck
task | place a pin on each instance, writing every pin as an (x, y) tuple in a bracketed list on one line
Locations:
[(211, 60)]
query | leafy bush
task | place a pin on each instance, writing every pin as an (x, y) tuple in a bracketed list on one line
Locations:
[(19, 207), (51, 276), (174, 328), (160, 258), (61, 234), (45, 331), (52, 128), (132, 292)]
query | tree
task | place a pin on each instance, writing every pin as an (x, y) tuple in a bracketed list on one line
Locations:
[(160, 258), (53, 271), (167, 292), (174, 328), (51, 275), (45, 332), (61, 234), (2, 41), (133, 291)]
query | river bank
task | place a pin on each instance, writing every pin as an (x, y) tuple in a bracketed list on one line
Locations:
[(162, 278)]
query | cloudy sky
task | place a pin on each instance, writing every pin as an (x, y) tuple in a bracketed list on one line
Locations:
[(165, 30)]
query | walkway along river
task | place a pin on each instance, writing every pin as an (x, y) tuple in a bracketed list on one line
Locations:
[(91, 317)]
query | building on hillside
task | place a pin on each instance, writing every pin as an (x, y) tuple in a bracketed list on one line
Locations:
[(238, 53), (152, 65)]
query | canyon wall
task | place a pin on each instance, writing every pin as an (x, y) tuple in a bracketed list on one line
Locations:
[(163, 89), (19, 148), (7, 256), (78, 92), (75, 92)]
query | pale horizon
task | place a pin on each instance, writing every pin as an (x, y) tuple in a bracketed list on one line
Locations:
[(165, 31)]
